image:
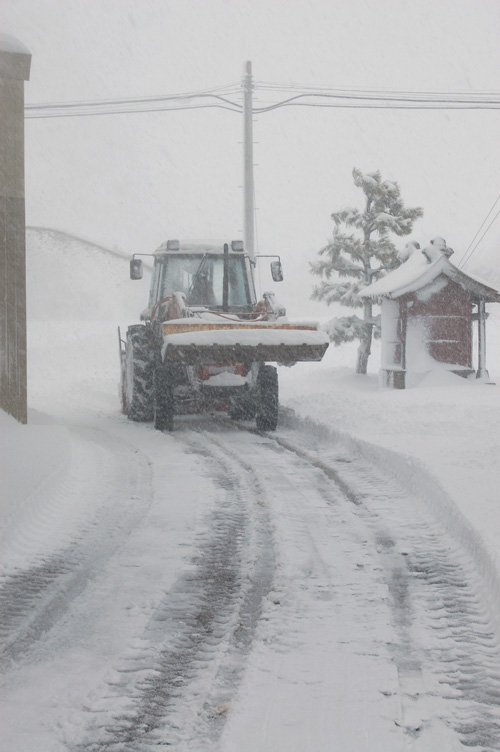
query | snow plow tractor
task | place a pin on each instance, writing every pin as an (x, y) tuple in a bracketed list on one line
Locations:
[(205, 343)]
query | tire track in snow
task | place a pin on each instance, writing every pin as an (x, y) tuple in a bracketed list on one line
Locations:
[(325, 623), (448, 650), (178, 685), (79, 510)]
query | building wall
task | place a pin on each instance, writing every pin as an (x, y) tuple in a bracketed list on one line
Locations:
[(15, 61), (12, 250), (443, 313)]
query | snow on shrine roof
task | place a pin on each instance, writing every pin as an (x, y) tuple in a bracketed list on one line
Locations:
[(420, 269)]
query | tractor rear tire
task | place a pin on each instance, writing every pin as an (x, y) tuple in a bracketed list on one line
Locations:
[(268, 399), (138, 375), (163, 400)]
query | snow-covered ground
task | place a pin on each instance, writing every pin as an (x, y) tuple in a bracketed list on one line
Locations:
[(444, 433), (304, 644)]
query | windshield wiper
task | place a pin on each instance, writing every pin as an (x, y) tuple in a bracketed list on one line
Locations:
[(198, 272)]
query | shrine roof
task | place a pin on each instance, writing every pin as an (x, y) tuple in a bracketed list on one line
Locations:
[(420, 269)]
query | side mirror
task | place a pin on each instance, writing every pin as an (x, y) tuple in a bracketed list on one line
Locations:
[(276, 271), (136, 269)]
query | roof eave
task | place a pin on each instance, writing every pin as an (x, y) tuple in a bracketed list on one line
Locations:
[(475, 286), (440, 266)]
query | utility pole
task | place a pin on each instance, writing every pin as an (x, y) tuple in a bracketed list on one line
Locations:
[(15, 61), (248, 184)]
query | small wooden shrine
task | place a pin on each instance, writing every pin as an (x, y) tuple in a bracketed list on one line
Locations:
[(429, 308)]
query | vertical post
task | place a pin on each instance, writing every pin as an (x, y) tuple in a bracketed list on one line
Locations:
[(15, 61), (482, 373), (225, 279), (248, 184)]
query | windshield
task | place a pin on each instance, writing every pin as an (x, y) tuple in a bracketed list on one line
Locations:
[(201, 277)]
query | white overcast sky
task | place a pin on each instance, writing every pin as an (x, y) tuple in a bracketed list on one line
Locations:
[(131, 181)]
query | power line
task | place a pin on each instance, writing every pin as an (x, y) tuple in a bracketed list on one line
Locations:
[(306, 97), (464, 257), (382, 105), (471, 250), (111, 111), (136, 104), (485, 98), (228, 89), (378, 92), (393, 100)]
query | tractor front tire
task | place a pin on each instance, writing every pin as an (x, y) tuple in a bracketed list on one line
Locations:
[(163, 400), (268, 399), (138, 375)]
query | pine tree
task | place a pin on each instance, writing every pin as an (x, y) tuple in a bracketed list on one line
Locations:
[(365, 254)]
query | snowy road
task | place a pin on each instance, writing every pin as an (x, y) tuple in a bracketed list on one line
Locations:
[(217, 589)]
